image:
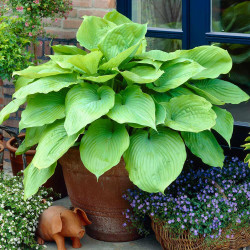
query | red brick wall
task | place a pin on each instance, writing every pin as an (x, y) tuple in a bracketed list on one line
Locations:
[(67, 28)]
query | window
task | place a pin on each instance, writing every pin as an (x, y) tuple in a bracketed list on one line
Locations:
[(175, 24)]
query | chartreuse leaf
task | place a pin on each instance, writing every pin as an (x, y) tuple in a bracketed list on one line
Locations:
[(103, 146), (160, 114), (155, 64), (100, 79), (92, 30), (158, 55), (133, 106), (47, 84), (216, 89), (224, 123), (175, 74), (43, 109), (180, 91), (34, 178), (32, 137), (53, 144), (204, 94), (85, 104), (22, 81), (154, 160), (67, 50), (189, 113), (88, 63), (49, 68), (120, 58), (12, 107), (121, 38), (62, 61), (115, 17), (216, 60), (205, 146), (142, 74), (162, 97)]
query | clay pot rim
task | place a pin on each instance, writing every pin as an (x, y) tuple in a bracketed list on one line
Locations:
[(1, 147), (12, 149)]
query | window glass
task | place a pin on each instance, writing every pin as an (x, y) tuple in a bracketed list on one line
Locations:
[(231, 16), (158, 13), (167, 45)]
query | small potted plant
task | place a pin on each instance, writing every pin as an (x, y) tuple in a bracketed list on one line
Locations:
[(247, 147), (203, 209), (19, 218), (124, 107)]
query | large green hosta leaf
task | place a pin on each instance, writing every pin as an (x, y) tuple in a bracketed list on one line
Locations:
[(133, 106), (116, 17), (35, 178), (67, 50), (47, 84), (12, 107), (219, 92), (205, 146), (120, 58), (43, 109), (103, 146), (189, 113), (85, 104), (224, 123), (160, 114), (22, 81), (100, 79), (155, 160), (158, 55), (88, 63), (32, 137), (92, 31), (142, 74), (53, 144), (216, 60), (175, 74), (121, 38), (180, 91), (49, 68), (62, 61), (155, 64)]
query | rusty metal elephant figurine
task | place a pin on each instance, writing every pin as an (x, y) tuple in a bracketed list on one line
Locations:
[(58, 222)]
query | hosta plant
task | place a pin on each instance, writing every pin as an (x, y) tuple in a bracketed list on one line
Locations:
[(121, 101)]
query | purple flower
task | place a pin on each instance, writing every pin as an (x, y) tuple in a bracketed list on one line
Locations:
[(124, 224), (182, 226)]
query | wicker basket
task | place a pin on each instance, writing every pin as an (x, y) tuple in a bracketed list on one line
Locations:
[(168, 241)]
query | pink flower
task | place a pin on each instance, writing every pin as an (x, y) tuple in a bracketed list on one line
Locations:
[(56, 20), (33, 26), (41, 43), (36, 1), (19, 8), (30, 34), (26, 24)]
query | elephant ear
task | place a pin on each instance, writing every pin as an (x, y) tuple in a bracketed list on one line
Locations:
[(83, 216), (56, 224)]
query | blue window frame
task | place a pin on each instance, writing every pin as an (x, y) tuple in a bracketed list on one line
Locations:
[(196, 25)]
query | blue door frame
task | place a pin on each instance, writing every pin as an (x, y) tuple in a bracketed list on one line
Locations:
[(196, 25)]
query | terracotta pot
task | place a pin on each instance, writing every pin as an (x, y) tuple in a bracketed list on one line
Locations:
[(102, 200), (1, 155), (56, 181)]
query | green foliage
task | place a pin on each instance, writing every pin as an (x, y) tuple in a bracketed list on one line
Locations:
[(247, 147), (13, 41), (19, 218), (118, 89)]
